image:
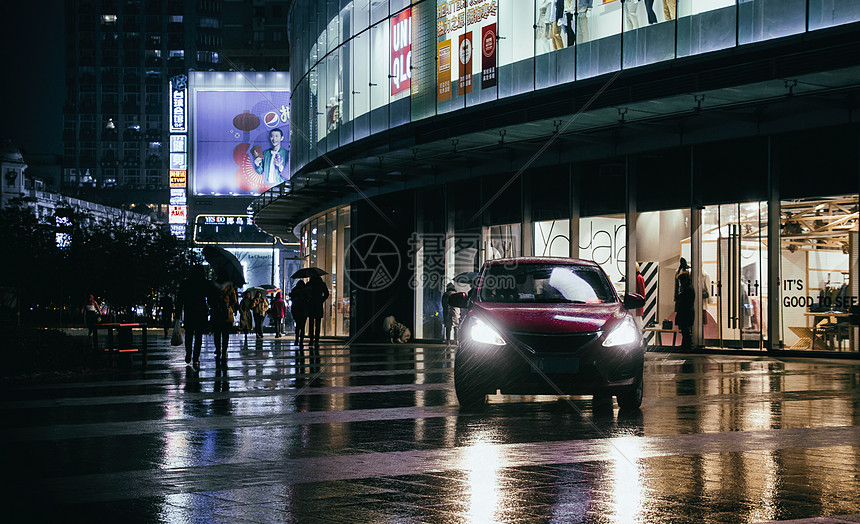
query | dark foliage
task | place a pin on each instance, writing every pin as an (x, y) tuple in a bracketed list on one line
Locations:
[(28, 350)]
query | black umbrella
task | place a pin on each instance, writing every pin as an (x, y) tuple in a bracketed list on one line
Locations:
[(306, 272), (227, 267)]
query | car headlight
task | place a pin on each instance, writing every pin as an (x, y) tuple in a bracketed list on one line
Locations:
[(625, 333), (482, 332)]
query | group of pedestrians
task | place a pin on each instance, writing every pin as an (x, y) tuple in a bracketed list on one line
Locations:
[(202, 301)]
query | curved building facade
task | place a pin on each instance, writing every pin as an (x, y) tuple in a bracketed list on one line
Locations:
[(430, 136)]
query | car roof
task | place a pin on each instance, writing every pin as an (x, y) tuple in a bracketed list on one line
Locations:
[(542, 260)]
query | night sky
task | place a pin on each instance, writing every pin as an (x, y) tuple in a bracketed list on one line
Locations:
[(33, 92)]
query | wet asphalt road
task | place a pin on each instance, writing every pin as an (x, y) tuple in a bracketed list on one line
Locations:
[(373, 433)]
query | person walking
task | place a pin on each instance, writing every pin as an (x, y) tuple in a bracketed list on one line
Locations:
[(300, 303), (92, 311), (259, 308), (450, 314), (246, 314), (224, 311), (683, 267), (194, 299), (318, 294), (166, 313), (279, 312), (684, 304)]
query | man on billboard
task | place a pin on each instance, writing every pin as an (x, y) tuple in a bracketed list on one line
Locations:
[(273, 161)]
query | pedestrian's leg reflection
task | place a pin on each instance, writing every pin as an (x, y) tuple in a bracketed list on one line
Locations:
[(192, 381), (222, 384)]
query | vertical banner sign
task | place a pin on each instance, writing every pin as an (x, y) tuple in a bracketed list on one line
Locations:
[(444, 74), (488, 56), (465, 52), (178, 107), (401, 51)]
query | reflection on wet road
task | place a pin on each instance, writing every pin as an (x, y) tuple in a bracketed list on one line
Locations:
[(371, 433)]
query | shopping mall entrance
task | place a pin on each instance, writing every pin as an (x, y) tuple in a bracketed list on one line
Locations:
[(733, 275)]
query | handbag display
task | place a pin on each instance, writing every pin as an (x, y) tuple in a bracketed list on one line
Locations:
[(176, 338)]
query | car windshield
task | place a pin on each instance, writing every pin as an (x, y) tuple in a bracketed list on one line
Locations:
[(545, 283)]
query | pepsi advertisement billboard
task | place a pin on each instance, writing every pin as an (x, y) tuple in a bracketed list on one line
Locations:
[(241, 140)]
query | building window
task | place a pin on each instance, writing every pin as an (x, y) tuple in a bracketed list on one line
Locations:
[(208, 22)]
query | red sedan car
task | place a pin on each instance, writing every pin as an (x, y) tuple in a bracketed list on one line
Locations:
[(547, 326)]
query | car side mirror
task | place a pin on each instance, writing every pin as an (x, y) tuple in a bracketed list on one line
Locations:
[(460, 300), (633, 301)]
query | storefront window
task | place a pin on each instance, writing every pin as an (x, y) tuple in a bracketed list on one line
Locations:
[(342, 284), (379, 76), (482, 30), (454, 56), (552, 238), (599, 37), (828, 13), (649, 31), (502, 241), (706, 25), (603, 239), (554, 42), (516, 47), (766, 19), (427, 262), (334, 97), (818, 249), (660, 236), (361, 16), (360, 50)]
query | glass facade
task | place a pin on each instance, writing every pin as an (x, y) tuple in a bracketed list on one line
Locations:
[(323, 244), (361, 67)]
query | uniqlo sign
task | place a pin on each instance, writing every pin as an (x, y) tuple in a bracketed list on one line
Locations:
[(401, 51)]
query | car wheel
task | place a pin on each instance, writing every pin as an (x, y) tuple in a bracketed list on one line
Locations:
[(471, 391), (631, 397)]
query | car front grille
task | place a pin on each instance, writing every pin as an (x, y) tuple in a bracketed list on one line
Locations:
[(542, 343)]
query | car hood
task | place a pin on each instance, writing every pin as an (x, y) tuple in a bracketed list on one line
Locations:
[(551, 318)]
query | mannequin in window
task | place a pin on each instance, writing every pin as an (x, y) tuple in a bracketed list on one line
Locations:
[(649, 10), (583, 12), (554, 14), (567, 23), (541, 29), (631, 14), (669, 9)]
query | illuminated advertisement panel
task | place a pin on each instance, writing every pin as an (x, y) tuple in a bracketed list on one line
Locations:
[(177, 197), (178, 230), (401, 52), (177, 214), (466, 32), (241, 140), (178, 178), (178, 104)]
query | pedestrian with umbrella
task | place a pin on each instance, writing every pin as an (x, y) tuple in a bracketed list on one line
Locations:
[(196, 295), (226, 266), (300, 299), (319, 293)]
